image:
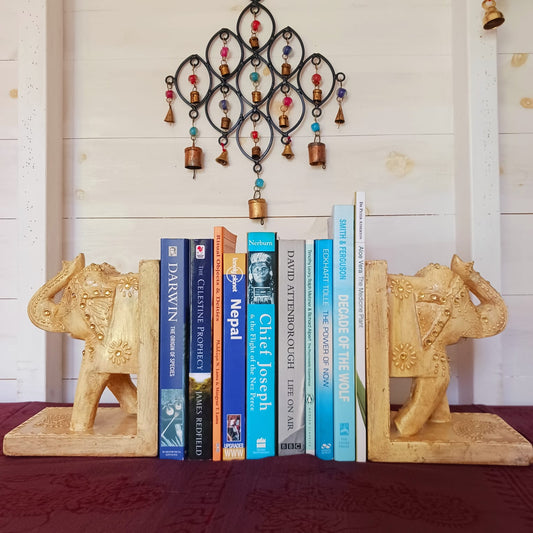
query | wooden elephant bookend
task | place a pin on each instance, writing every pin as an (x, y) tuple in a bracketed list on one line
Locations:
[(410, 320), (117, 315)]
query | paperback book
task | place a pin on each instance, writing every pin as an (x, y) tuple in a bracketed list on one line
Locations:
[(261, 345), (309, 347), (223, 242), (173, 348), (342, 232), (234, 357), (200, 349), (291, 347), (324, 348)]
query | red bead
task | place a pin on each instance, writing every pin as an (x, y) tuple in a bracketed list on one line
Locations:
[(316, 79), (224, 51), (255, 25), (254, 134), (193, 78), (169, 94), (287, 101)]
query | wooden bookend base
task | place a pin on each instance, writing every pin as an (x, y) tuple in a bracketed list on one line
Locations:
[(468, 438), (115, 433)]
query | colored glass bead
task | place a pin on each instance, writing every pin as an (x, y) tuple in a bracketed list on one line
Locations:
[(341, 92), (287, 101), (224, 51), (193, 132), (223, 104), (287, 50), (169, 94), (316, 79), (254, 135), (193, 79), (315, 126), (260, 182), (255, 25), (254, 76)]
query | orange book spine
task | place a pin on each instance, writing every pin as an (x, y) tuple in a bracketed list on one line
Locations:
[(224, 241)]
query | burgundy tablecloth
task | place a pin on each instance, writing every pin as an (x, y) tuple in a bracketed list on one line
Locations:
[(296, 494)]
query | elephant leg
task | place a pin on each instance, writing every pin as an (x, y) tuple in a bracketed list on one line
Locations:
[(442, 413), (125, 391), (428, 395), (89, 390)]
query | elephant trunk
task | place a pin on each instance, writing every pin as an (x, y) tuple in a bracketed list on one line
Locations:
[(492, 311), (42, 309)]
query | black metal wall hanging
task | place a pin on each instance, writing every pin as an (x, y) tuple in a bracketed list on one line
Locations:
[(262, 78)]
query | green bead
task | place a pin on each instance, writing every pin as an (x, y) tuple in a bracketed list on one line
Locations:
[(259, 182), (193, 131), (254, 76)]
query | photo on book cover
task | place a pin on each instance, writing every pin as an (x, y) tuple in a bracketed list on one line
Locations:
[(261, 284)]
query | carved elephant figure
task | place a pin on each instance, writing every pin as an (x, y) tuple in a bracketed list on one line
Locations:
[(429, 311), (100, 306)]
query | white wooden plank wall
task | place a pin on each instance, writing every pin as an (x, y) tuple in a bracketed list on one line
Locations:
[(125, 185), (8, 197)]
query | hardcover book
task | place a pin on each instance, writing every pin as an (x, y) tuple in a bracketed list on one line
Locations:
[(200, 429), (224, 242), (261, 346), (324, 347), (291, 347), (342, 232), (234, 358), (310, 347), (173, 347), (360, 330)]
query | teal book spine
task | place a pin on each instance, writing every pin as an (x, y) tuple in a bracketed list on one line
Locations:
[(324, 347), (173, 348), (310, 347), (261, 346), (342, 233)]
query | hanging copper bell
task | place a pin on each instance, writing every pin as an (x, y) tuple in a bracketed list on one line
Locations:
[(285, 69), (222, 159), (492, 18), (283, 121), (256, 152), (193, 157), (257, 208), (195, 97), (254, 41), (317, 95), (224, 69), (317, 154), (225, 123), (287, 152), (256, 96)]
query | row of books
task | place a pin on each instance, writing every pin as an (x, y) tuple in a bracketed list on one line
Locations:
[(263, 353)]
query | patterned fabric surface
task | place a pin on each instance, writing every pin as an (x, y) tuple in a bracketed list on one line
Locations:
[(296, 494)]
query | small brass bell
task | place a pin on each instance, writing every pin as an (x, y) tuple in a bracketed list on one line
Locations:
[(256, 96), (225, 123), (285, 69), (222, 159), (287, 152), (339, 119), (257, 208), (254, 41), (317, 154), (317, 95), (492, 18), (224, 69), (170, 114), (195, 97), (193, 159), (256, 152), (283, 121)]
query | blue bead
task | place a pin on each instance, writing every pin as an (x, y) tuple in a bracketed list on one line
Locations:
[(287, 50), (193, 132), (254, 76), (223, 104), (341, 92), (259, 182), (315, 126)]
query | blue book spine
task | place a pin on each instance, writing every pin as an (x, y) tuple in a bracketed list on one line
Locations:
[(200, 349), (310, 399), (261, 346), (342, 232), (234, 357), (173, 348), (324, 347)]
